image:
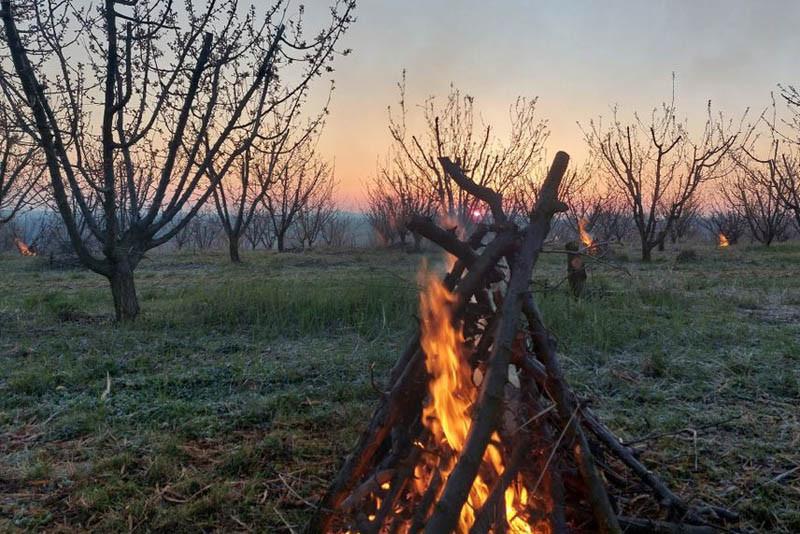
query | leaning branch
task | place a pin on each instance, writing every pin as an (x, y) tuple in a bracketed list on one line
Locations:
[(490, 401), (487, 194)]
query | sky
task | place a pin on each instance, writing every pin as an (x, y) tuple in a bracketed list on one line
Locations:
[(578, 57)]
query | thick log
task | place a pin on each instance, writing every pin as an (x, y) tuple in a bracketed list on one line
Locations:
[(408, 389), (549, 468), (490, 400), (567, 407), (676, 506), (446, 239), (666, 497), (488, 195)]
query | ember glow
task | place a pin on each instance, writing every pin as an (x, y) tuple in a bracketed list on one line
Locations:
[(586, 237), (23, 248), (447, 415), (722, 241)]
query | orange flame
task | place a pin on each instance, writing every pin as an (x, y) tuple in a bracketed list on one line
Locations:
[(447, 415), (722, 241), (23, 249), (586, 237)]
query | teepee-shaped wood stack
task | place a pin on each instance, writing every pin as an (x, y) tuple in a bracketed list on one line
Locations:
[(480, 431)]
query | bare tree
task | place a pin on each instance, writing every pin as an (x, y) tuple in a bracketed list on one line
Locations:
[(396, 195), (239, 200), (297, 179), (382, 216), (751, 192), (685, 225), (785, 178), (657, 167), (337, 231), (783, 157), (615, 221), (238, 195), (524, 192), (259, 231), (451, 128), (20, 172), (236, 200), (205, 229), (315, 213), (55, 236), (168, 101), (722, 220), (183, 237)]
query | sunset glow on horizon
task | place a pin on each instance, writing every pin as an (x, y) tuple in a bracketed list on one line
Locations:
[(578, 59)]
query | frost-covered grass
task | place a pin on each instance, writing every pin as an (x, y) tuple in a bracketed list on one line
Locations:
[(236, 394)]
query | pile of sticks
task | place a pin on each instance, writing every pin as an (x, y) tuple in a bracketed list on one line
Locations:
[(581, 475)]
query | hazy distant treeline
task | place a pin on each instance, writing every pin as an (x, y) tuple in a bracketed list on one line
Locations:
[(120, 152)]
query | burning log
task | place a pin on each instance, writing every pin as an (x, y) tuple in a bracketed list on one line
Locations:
[(722, 241), (23, 248), (480, 431)]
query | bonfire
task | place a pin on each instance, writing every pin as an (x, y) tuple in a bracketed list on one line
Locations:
[(722, 241), (23, 248), (479, 431)]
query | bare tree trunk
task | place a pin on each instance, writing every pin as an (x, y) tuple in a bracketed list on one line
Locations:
[(576, 270), (123, 289), (233, 248), (417, 242), (647, 249), (280, 240)]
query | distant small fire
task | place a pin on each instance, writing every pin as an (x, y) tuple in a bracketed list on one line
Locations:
[(586, 237), (722, 241), (23, 248)]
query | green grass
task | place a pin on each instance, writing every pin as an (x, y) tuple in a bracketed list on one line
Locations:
[(235, 396)]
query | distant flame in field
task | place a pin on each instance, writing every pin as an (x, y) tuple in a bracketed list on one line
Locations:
[(722, 241), (448, 413), (23, 249), (586, 237)]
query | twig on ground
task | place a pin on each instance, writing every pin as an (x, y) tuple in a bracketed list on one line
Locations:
[(295, 494), (658, 435), (285, 522)]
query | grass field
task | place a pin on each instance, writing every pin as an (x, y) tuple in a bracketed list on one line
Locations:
[(235, 396)]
